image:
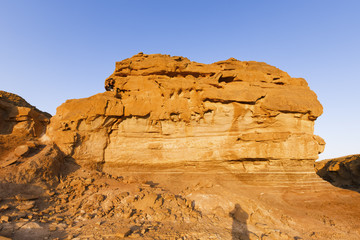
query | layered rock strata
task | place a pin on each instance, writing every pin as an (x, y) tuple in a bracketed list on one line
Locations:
[(163, 109)]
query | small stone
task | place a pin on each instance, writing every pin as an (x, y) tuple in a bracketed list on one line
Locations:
[(135, 235), (130, 179), (26, 206), (26, 197), (50, 193), (124, 194), (89, 180), (11, 159), (63, 196), (20, 151), (99, 198), (89, 216), (32, 144), (123, 232), (19, 215), (62, 226), (58, 209), (5, 218), (69, 221), (31, 225), (52, 228), (4, 207)]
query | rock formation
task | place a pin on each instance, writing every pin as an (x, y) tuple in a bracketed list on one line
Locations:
[(167, 110), (23, 156), (342, 172), (19, 122)]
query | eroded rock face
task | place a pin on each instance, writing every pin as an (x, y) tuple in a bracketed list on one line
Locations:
[(19, 122), (163, 109)]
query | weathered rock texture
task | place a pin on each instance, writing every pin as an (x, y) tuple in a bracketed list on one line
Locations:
[(342, 172), (163, 109), (19, 122)]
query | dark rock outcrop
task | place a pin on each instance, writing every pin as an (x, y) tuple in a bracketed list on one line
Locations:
[(19, 122), (342, 172)]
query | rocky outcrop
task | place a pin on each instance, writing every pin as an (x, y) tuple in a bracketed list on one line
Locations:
[(19, 122), (163, 109), (41, 163), (23, 156), (342, 172)]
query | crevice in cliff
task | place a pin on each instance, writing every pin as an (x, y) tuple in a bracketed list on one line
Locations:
[(165, 73), (161, 88), (249, 160), (226, 79), (215, 85), (258, 100), (139, 116), (216, 100), (106, 107), (107, 143)]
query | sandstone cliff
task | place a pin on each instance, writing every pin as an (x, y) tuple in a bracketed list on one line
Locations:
[(163, 109)]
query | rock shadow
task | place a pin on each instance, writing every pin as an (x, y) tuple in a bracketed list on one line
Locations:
[(239, 229)]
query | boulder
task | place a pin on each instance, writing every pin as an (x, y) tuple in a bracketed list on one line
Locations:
[(342, 172), (160, 109), (21, 150)]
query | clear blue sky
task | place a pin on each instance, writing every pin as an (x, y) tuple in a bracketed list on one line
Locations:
[(51, 51)]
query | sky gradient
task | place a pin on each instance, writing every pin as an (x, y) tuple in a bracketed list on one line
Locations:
[(51, 51)]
